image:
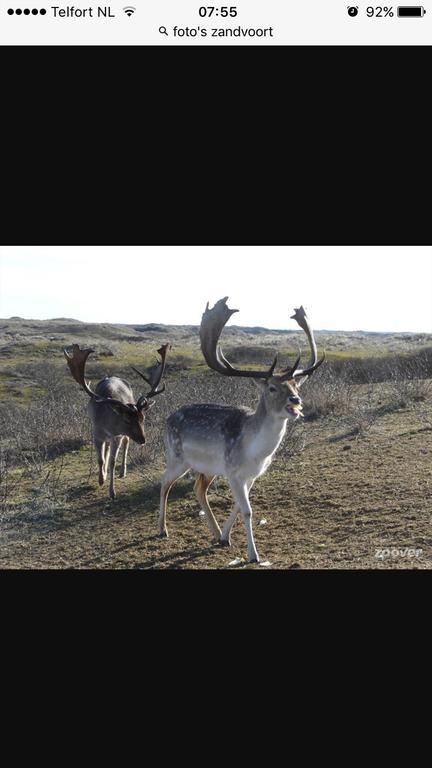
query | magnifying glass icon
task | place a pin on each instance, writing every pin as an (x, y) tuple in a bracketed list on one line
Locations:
[(163, 31)]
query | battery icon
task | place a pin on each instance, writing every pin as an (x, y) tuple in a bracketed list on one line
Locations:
[(410, 11)]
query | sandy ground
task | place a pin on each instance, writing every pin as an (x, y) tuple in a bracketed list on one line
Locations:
[(344, 502)]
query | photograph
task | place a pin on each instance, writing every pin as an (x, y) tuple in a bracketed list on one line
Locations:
[(216, 407)]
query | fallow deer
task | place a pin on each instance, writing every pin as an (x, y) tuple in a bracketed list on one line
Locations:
[(237, 443), (115, 415)]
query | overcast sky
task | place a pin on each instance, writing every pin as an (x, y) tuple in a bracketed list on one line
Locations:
[(342, 288)]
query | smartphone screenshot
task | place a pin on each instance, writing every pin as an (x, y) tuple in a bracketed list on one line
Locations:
[(188, 401), (189, 22)]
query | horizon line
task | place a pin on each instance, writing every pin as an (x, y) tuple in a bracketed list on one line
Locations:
[(196, 325)]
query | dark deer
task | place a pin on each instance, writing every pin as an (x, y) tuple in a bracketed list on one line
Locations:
[(237, 443), (115, 415)]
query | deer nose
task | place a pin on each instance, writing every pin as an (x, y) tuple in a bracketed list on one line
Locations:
[(295, 400)]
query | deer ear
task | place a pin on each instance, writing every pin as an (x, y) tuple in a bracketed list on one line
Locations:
[(120, 410), (301, 380), (144, 405)]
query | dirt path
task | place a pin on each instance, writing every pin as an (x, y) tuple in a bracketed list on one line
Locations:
[(342, 503)]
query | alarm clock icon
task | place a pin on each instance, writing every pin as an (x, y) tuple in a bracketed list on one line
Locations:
[(352, 10)]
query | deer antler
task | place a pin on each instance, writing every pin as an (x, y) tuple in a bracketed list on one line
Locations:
[(155, 376), (76, 363), (301, 318), (212, 324)]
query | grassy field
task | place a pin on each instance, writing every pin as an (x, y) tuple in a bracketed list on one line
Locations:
[(351, 486)]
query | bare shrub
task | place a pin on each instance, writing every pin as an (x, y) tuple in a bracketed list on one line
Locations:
[(294, 441), (181, 363), (8, 481), (363, 420), (408, 385), (246, 355), (365, 370), (33, 435), (326, 394), (425, 417), (48, 427)]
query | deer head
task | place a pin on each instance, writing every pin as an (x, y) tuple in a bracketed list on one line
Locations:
[(130, 416), (280, 390)]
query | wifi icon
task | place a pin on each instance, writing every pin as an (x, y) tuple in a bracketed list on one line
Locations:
[(129, 10)]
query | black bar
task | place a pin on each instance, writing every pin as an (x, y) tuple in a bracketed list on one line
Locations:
[(410, 11)]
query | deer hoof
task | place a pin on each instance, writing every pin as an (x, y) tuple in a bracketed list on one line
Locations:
[(254, 560), (224, 543), (163, 534), (112, 495)]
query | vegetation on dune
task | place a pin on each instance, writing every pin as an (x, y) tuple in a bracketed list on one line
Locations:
[(361, 455)]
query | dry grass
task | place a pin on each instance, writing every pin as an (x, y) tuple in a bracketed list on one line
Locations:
[(354, 478)]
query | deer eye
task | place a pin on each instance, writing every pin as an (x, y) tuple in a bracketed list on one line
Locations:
[(272, 388)]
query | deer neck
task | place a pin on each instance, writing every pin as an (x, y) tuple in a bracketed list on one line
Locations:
[(268, 427)]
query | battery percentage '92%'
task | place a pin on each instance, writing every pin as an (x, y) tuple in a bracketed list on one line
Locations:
[(379, 12)]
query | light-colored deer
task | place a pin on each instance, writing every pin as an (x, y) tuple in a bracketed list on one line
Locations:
[(115, 415), (237, 443)]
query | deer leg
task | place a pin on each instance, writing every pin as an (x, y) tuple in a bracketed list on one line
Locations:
[(201, 486), (241, 495), (225, 539), (170, 476), (125, 453), (100, 452), (107, 449), (115, 447)]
